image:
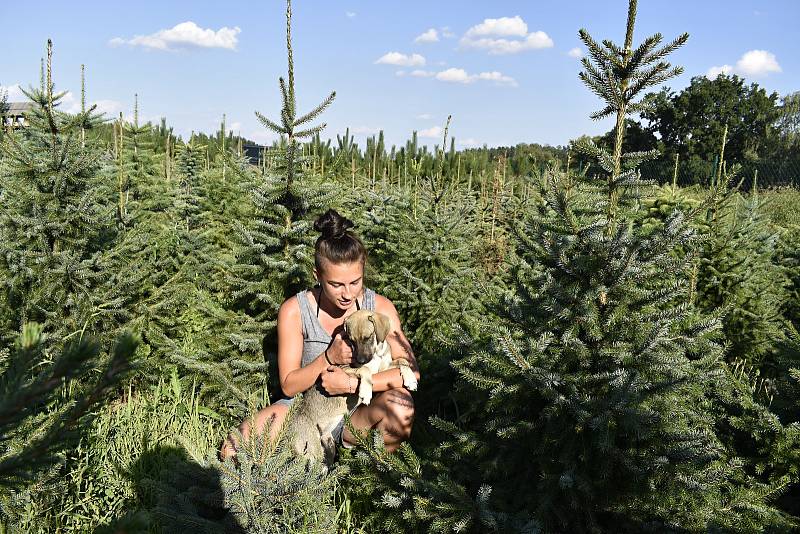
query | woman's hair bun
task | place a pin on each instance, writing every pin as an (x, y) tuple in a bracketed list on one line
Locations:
[(332, 225)]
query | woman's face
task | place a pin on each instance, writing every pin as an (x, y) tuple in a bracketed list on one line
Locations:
[(341, 283)]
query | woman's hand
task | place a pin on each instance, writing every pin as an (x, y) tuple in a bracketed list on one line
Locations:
[(339, 351), (336, 382)]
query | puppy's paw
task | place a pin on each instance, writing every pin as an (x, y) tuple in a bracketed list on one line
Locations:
[(365, 397), (365, 388), (409, 380)]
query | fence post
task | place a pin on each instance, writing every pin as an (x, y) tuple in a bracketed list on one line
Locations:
[(675, 175)]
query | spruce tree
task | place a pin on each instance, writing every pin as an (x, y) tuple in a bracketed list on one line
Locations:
[(404, 491), (139, 190), (299, 500), (274, 254), (168, 265), (264, 488), (789, 247), (36, 421), (422, 243), (591, 394), (53, 225), (738, 268)]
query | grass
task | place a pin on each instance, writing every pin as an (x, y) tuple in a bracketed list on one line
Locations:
[(106, 475)]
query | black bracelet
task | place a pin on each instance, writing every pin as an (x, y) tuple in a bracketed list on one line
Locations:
[(327, 359)]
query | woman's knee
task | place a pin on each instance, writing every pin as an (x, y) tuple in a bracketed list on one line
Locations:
[(399, 406), (273, 416)]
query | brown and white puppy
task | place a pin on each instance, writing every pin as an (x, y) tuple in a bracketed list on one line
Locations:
[(318, 414), (367, 331)]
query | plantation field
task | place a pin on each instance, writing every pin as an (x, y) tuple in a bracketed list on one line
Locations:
[(598, 352)]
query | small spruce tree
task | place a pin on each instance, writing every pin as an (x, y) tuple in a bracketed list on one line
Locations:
[(35, 425), (39, 421), (274, 253), (738, 268), (591, 394), (53, 225), (265, 488)]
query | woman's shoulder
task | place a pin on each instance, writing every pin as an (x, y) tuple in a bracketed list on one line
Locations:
[(384, 305), (290, 309)]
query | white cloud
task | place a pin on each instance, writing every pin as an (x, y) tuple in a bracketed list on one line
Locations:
[(14, 93), (430, 133), (533, 41), (70, 103), (455, 75), (424, 116), (422, 73), (713, 72), (183, 35), (110, 107), (575, 52), (350, 14), (429, 36), (447, 33), (402, 60), (754, 63), (262, 137), (498, 77), (506, 35), (400, 73), (503, 26), (757, 63)]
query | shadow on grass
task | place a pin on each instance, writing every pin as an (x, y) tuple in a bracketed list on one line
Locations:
[(174, 494)]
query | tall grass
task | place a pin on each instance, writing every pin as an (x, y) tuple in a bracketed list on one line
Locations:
[(130, 443)]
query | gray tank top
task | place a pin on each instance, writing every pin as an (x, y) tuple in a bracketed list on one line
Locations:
[(315, 338)]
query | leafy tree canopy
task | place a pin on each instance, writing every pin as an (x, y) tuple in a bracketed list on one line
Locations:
[(692, 121)]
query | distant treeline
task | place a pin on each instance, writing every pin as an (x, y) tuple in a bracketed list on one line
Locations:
[(688, 126)]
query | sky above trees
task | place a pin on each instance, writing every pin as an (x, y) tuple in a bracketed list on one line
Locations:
[(506, 70)]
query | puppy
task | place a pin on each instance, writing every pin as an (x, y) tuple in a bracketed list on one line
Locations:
[(318, 414), (367, 332)]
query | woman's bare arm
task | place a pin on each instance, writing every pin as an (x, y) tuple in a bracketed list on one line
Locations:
[(294, 378)]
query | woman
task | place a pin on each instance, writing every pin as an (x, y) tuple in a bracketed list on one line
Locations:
[(311, 348)]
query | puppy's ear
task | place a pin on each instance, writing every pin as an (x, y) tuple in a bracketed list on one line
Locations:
[(382, 326)]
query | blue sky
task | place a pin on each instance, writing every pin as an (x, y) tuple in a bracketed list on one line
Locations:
[(505, 70)]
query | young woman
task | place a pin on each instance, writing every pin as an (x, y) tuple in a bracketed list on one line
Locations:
[(311, 347)]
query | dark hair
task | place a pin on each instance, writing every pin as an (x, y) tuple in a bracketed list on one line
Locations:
[(337, 244)]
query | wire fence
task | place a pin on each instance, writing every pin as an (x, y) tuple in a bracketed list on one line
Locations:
[(763, 174)]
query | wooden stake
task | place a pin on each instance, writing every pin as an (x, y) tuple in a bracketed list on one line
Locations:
[(83, 107), (675, 175)]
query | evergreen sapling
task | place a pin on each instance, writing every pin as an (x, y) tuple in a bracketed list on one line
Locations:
[(594, 381)]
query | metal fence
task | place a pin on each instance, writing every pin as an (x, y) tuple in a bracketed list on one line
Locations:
[(766, 174)]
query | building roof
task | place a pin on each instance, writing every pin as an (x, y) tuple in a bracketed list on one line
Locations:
[(17, 108)]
